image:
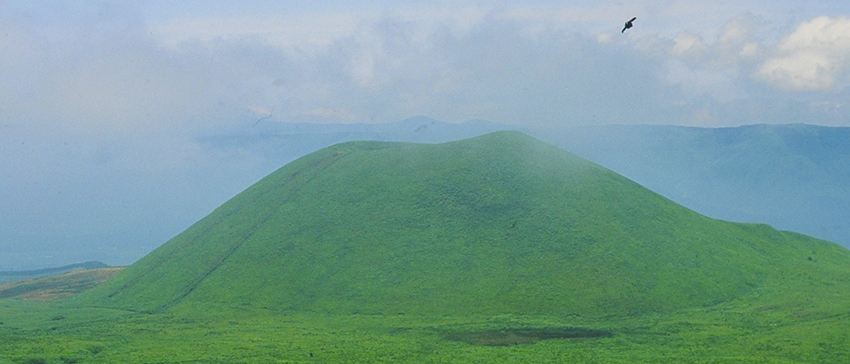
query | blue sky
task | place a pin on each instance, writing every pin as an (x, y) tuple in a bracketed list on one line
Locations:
[(102, 103)]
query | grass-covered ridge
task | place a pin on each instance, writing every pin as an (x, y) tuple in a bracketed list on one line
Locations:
[(14, 276), (56, 287), (499, 224)]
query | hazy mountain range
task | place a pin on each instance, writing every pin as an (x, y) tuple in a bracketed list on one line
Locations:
[(13, 276)]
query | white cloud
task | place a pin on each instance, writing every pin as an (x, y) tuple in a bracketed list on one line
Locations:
[(750, 51), (719, 83), (685, 45), (604, 37), (129, 91), (706, 66), (284, 31), (815, 57), (341, 114)]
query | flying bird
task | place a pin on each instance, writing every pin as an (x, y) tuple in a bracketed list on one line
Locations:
[(628, 25), (264, 117)]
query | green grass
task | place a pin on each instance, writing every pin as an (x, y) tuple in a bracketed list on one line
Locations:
[(486, 250), (210, 334)]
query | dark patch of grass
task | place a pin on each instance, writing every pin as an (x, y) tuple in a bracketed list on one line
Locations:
[(94, 350), (518, 336)]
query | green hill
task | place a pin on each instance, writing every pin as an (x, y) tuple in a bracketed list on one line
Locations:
[(499, 224), (497, 249)]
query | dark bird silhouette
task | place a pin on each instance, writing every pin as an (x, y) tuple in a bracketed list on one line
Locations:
[(264, 117), (628, 24)]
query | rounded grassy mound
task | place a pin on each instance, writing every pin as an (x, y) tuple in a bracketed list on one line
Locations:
[(502, 223)]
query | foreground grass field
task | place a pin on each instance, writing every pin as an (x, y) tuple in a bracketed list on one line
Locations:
[(797, 328)]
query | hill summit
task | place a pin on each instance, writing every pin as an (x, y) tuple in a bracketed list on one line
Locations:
[(498, 224)]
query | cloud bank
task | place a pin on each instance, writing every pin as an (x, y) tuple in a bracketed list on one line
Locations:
[(815, 57), (110, 70)]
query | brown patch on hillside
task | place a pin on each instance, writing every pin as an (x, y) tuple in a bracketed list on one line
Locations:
[(54, 288)]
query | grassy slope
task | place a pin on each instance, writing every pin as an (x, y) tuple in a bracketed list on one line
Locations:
[(772, 303), (792, 176), (492, 225), (52, 288), (15, 276)]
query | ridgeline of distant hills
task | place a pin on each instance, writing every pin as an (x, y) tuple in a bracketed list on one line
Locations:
[(54, 283), (13, 276)]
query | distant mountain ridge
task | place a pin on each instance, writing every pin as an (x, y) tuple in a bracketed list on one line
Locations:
[(11, 276), (53, 287)]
